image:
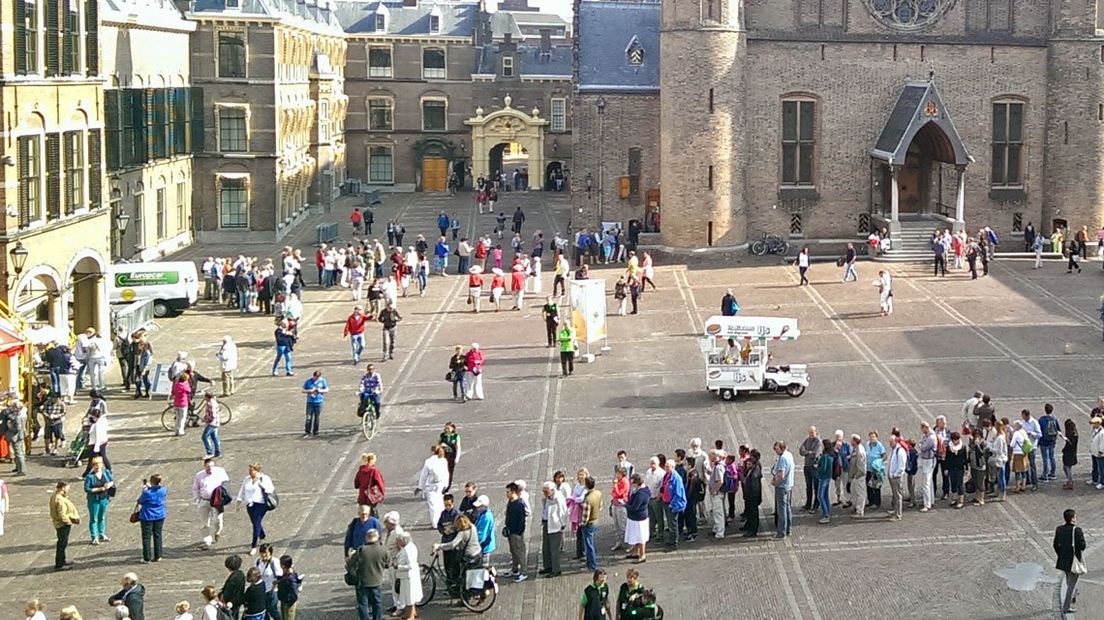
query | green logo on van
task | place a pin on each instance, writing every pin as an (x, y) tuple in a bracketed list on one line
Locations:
[(147, 278)]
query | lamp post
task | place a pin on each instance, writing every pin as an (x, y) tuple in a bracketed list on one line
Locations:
[(121, 221), (601, 106), (18, 258)]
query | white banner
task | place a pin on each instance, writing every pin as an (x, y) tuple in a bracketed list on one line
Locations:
[(588, 309)]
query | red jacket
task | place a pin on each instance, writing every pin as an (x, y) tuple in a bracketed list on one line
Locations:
[(319, 257), (517, 280), (475, 280), (367, 476), (498, 281), (475, 361), (354, 325), (480, 250)]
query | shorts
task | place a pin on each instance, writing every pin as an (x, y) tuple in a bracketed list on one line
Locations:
[(55, 431)]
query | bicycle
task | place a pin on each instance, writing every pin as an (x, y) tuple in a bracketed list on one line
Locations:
[(368, 423), (168, 416), (770, 244), (478, 599)]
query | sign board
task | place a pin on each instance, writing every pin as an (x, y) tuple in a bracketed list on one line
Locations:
[(588, 309), (161, 385), (752, 328), (146, 278)]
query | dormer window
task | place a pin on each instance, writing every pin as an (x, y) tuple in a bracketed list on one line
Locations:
[(381, 23), (434, 24), (634, 52), (507, 66), (233, 4)]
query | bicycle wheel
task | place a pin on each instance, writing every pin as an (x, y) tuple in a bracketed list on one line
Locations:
[(782, 247), (480, 600), (225, 413), (368, 425), (429, 584), (759, 248), (168, 419)]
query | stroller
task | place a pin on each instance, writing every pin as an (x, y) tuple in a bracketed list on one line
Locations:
[(77, 448)]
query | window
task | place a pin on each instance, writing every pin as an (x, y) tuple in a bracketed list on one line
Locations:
[(381, 166), (181, 217), (379, 62), (133, 109), (71, 36), (380, 114), (433, 115), (381, 23), (231, 55), (433, 63), (1008, 119), (139, 219), (73, 147), (233, 203), (161, 222), (26, 37), (507, 66), (233, 131), (53, 176), (324, 121), (798, 143), (233, 4), (158, 110), (559, 114), (30, 179), (434, 24), (636, 157)]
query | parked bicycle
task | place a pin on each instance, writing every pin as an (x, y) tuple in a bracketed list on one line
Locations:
[(478, 599), (770, 244), (195, 415)]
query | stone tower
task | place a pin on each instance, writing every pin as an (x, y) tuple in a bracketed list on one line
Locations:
[(1074, 159), (702, 63)]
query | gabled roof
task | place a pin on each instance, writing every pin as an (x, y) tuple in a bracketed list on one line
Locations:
[(605, 30), (918, 108), (306, 15), (528, 61), (151, 13), (458, 19)]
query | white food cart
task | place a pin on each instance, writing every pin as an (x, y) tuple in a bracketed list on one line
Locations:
[(737, 360)]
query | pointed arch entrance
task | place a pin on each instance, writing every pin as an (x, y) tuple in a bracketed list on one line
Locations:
[(521, 133)]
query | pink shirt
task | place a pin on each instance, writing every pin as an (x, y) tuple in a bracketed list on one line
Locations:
[(181, 394)]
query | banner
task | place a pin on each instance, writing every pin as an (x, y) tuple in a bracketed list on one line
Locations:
[(588, 309), (160, 384)]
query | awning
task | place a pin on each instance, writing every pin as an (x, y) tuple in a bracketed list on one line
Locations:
[(920, 115), (11, 342)]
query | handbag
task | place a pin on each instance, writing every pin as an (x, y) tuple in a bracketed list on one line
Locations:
[(271, 500), (134, 515), (450, 376), (375, 495), (1077, 567)]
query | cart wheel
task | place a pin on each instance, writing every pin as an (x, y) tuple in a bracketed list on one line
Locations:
[(795, 389), (727, 394)]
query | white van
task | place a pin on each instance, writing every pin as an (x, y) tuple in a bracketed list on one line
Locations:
[(173, 286)]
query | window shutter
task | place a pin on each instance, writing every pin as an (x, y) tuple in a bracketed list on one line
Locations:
[(95, 169), (67, 67), (141, 126), (197, 120), (21, 37), (623, 190), (24, 188), (53, 176), (92, 36), (113, 120), (53, 45)]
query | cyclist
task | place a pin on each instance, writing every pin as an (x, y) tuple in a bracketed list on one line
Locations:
[(371, 386), (465, 540)]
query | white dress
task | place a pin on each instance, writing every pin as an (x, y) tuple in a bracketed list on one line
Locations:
[(410, 577)]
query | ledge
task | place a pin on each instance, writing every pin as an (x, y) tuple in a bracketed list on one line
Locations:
[(1008, 195)]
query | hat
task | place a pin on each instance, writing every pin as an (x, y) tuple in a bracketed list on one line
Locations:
[(497, 271), (1096, 420), (519, 267), (391, 517), (475, 269), (483, 501)]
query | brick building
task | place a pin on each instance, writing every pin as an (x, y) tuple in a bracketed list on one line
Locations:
[(825, 118)]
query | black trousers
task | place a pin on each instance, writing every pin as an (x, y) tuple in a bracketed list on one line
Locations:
[(940, 471), (940, 264), (811, 500), (125, 368), (558, 284), (751, 526), (550, 548), (62, 543), (567, 362), (550, 326), (151, 539)]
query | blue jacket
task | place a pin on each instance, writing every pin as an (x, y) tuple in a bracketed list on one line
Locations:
[(844, 455), (484, 526), (441, 249), (637, 508), (151, 503), (678, 494), (91, 482), (1043, 423), (515, 517), (443, 221), (357, 530)]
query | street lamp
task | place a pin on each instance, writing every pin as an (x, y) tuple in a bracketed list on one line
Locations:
[(18, 255), (589, 183), (122, 220)]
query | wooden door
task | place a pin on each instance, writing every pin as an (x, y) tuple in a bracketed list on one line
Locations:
[(434, 174)]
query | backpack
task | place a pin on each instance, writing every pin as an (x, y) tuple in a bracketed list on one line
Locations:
[(352, 570), (837, 466), (224, 613), (734, 307), (1027, 446), (696, 486), (1050, 430), (731, 478)]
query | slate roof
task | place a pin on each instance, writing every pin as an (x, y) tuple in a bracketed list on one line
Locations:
[(292, 12), (159, 13), (458, 19), (605, 29), (528, 61), (918, 105)]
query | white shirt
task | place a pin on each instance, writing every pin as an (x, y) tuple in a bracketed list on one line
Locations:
[(228, 355), (653, 478), (802, 260), (898, 460), (252, 491), (270, 570), (97, 433), (206, 483), (1031, 426), (434, 476), (1017, 442)]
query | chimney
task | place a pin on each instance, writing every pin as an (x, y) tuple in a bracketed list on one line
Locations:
[(508, 44), (413, 3), (546, 41)]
